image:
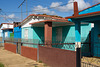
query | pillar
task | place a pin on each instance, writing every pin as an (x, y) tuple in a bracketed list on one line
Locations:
[(77, 34), (77, 37), (48, 33), (78, 43)]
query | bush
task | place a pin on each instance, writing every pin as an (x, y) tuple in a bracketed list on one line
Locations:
[(1, 65)]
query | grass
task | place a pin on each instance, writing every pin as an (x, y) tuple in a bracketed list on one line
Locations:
[(45, 65), (1, 65), (39, 61), (36, 66)]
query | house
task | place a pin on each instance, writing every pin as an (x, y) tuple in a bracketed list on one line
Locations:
[(17, 30), (46, 29), (6, 29), (89, 15)]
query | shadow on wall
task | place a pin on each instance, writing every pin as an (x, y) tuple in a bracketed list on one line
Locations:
[(67, 36), (40, 33), (87, 46)]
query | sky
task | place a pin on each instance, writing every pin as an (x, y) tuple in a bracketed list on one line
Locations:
[(11, 13)]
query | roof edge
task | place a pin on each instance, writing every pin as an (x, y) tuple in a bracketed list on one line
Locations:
[(89, 7), (51, 21), (82, 15), (42, 16)]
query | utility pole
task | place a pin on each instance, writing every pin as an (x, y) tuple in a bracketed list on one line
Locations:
[(21, 14), (26, 9), (21, 9), (0, 10)]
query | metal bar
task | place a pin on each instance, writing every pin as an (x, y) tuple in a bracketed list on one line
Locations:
[(38, 52), (21, 42), (78, 57), (21, 3)]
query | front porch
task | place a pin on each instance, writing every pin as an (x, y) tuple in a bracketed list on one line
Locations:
[(61, 34), (93, 17)]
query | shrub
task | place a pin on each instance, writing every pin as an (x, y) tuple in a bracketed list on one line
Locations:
[(1, 65)]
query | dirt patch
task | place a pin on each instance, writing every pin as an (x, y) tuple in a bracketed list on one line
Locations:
[(10, 59), (91, 60)]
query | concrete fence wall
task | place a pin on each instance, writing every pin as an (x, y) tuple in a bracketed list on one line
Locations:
[(29, 52), (10, 47), (0, 39), (57, 57), (53, 57)]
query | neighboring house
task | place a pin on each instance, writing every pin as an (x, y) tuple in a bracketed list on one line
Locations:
[(7, 29), (49, 29), (95, 32), (17, 30), (90, 15)]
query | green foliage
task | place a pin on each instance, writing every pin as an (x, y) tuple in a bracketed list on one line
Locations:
[(40, 61), (1, 65), (36, 66)]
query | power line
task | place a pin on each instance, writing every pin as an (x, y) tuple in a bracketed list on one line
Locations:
[(5, 16), (42, 9), (8, 16)]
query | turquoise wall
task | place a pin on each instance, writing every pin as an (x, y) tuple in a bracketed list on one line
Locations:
[(92, 9), (96, 40), (68, 36), (35, 35)]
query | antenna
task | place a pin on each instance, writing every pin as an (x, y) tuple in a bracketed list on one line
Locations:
[(26, 9), (21, 9)]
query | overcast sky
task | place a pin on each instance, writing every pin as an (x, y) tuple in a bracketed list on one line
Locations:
[(10, 11)]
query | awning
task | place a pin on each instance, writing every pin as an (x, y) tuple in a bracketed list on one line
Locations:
[(54, 23)]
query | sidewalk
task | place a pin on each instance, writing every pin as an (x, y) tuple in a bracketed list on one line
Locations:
[(10, 59)]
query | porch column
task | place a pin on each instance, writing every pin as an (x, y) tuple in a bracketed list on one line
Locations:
[(78, 43), (77, 35), (48, 33)]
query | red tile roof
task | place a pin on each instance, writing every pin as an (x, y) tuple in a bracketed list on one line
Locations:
[(53, 17)]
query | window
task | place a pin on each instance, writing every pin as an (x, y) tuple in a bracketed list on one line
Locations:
[(59, 34), (26, 34)]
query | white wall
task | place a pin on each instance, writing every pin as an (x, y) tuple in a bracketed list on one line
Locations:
[(6, 26), (0, 33), (34, 19), (31, 20)]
